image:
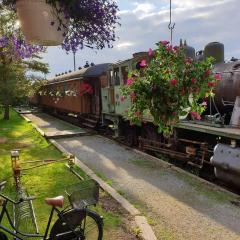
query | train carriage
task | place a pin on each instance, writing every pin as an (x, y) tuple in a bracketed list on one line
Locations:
[(76, 93)]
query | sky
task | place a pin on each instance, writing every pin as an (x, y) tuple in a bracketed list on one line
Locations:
[(145, 22)]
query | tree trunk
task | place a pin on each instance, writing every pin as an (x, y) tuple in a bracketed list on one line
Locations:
[(6, 100), (6, 112)]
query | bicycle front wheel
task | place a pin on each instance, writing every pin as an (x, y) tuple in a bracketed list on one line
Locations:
[(78, 225)]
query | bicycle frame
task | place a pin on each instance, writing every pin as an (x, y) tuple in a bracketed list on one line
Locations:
[(15, 232), (62, 215)]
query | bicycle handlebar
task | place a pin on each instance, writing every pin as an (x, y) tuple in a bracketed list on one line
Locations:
[(19, 201)]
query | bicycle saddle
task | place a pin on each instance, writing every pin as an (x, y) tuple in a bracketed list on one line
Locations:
[(2, 185), (55, 202)]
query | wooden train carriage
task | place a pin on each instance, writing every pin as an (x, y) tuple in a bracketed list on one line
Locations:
[(68, 100), (34, 100), (77, 92)]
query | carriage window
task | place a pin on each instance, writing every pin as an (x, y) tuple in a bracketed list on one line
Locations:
[(124, 71), (116, 76)]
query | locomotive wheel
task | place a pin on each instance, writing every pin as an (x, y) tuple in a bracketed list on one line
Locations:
[(129, 140), (131, 137)]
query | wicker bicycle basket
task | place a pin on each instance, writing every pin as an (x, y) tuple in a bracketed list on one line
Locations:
[(83, 194)]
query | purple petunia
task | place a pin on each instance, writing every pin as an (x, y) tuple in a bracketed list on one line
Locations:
[(15, 47)]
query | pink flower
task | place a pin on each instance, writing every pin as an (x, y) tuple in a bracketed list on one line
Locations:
[(218, 76), (175, 48), (173, 82), (198, 117), (183, 91), (164, 42), (211, 84), (174, 113), (207, 73), (194, 80), (122, 98), (130, 81), (138, 114), (169, 48), (195, 115), (204, 103), (143, 63), (188, 61), (133, 96), (150, 52)]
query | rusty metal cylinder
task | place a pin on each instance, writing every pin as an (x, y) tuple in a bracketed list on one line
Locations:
[(215, 50), (229, 87)]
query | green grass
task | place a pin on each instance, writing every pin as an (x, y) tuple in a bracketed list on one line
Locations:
[(205, 190), (105, 179), (46, 181), (143, 163)]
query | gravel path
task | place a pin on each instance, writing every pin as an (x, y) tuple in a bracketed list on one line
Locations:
[(52, 126), (178, 206)]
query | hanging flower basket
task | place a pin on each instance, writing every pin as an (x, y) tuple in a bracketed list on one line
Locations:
[(37, 20), (72, 23), (170, 87)]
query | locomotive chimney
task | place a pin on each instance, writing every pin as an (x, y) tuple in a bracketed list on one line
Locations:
[(189, 51)]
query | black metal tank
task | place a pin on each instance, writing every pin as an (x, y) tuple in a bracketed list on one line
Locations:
[(229, 87), (188, 50), (215, 50)]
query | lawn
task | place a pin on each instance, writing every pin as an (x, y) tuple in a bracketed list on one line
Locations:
[(46, 181)]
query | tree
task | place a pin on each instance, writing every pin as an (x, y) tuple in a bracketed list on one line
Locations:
[(17, 58)]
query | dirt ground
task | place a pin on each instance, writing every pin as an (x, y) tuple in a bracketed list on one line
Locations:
[(178, 206), (126, 230)]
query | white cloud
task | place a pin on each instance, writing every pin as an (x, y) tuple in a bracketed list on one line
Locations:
[(124, 45), (143, 10), (146, 22), (190, 4)]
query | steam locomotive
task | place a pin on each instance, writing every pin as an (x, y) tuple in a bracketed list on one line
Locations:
[(91, 97)]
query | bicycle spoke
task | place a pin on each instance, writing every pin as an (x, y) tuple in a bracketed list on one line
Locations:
[(91, 229)]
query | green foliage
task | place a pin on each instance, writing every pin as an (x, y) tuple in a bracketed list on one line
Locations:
[(16, 60), (169, 87)]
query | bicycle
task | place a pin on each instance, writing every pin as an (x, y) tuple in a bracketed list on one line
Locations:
[(73, 222)]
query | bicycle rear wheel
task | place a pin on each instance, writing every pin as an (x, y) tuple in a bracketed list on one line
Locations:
[(3, 236), (78, 225)]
